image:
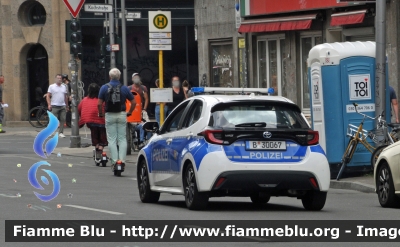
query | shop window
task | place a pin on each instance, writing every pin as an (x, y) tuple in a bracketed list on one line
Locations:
[(269, 64), (306, 44), (222, 64)]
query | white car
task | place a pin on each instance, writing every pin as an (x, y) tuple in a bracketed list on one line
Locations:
[(242, 145), (387, 176)]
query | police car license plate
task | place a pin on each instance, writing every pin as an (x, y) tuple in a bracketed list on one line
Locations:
[(266, 145)]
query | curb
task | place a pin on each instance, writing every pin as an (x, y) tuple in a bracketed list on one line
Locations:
[(344, 185)]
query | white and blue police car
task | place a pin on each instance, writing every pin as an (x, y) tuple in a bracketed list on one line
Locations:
[(234, 145)]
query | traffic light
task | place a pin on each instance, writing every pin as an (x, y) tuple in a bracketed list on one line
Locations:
[(75, 38), (102, 63), (105, 41)]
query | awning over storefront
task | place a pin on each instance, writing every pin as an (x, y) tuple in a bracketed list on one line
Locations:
[(346, 18), (277, 24)]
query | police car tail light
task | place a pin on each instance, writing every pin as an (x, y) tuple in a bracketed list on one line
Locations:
[(314, 183), (312, 137), (213, 136)]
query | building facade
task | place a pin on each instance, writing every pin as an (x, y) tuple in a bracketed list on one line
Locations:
[(34, 48), (279, 35)]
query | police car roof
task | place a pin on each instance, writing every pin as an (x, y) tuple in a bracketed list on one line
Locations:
[(226, 98)]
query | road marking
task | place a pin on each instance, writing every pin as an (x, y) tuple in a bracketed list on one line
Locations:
[(12, 196), (133, 179), (94, 209)]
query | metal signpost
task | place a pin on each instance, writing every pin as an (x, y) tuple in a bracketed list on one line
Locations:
[(74, 7), (160, 39)]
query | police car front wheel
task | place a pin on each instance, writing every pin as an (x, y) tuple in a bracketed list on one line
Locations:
[(146, 195), (194, 199)]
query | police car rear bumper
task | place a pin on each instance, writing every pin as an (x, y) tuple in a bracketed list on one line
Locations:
[(242, 183)]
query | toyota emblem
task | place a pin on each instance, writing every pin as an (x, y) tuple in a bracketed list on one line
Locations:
[(267, 134)]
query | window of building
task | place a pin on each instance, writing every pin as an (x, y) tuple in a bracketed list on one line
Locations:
[(307, 42), (32, 13), (221, 64), (269, 62)]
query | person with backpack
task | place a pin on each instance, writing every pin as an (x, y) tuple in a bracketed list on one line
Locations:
[(141, 90), (114, 94)]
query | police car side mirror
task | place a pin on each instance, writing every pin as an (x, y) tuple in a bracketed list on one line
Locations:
[(151, 127)]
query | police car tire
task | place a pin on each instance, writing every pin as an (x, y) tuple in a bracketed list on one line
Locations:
[(200, 199), (257, 199), (147, 196), (314, 200)]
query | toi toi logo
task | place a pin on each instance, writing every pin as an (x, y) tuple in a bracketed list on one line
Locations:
[(49, 147)]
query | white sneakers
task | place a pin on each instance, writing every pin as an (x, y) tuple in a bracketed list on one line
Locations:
[(61, 135)]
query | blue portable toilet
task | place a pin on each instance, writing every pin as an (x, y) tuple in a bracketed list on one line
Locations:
[(341, 74)]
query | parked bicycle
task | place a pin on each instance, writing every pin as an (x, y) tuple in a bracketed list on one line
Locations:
[(38, 117), (380, 136)]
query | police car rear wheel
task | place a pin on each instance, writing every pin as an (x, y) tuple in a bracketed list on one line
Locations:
[(194, 199), (146, 195), (314, 200)]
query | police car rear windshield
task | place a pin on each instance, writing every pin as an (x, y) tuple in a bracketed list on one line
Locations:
[(263, 114)]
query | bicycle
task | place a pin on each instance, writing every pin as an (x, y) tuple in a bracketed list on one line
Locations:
[(38, 116), (379, 136)]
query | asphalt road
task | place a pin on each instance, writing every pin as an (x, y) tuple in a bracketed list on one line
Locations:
[(98, 195)]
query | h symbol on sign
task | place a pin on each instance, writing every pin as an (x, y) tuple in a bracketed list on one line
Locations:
[(160, 20)]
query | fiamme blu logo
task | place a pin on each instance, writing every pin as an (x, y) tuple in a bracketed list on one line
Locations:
[(43, 146)]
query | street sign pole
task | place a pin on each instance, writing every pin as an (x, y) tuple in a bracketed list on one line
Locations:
[(74, 7), (124, 48), (111, 19), (161, 78), (160, 39), (380, 59), (75, 139)]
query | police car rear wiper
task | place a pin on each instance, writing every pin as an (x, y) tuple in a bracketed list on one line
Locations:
[(256, 124)]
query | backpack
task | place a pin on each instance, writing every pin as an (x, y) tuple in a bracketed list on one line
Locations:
[(113, 103)]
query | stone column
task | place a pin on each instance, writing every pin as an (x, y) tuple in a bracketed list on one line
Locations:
[(393, 43)]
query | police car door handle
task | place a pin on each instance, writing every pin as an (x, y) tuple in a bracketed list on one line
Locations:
[(169, 141)]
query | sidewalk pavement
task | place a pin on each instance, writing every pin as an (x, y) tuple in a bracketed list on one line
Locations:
[(361, 183)]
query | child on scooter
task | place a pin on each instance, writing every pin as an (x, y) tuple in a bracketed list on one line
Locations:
[(88, 113)]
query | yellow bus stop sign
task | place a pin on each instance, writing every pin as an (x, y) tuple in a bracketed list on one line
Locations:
[(160, 21)]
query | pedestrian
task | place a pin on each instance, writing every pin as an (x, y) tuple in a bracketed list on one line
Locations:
[(88, 113), (114, 94), (1, 104), (57, 102), (157, 109), (178, 94), (141, 90), (394, 106)]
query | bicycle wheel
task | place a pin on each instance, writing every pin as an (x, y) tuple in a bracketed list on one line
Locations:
[(376, 154), (348, 154), (43, 118), (33, 120)]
